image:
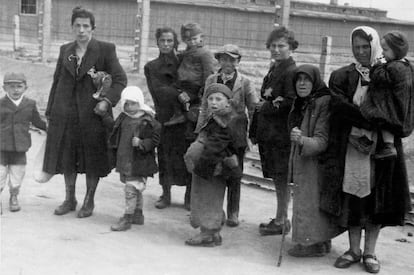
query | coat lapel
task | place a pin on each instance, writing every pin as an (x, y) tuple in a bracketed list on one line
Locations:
[(90, 58), (237, 83), (69, 59), (23, 104)]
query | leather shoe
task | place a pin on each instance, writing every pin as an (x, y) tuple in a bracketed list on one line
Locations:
[(347, 259), (371, 263), (66, 207), (85, 211)]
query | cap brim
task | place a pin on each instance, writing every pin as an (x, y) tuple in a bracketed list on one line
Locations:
[(233, 55)]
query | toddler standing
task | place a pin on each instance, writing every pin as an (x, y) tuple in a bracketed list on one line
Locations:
[(135, 135), (16, 113)]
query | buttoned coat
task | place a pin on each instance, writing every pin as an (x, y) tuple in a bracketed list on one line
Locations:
[(71, 100), (15, 122)]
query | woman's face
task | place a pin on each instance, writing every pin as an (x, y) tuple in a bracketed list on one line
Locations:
[(227, 63), (303, 85), (280, 49), (362, 50), (166, 42), (82, 29)]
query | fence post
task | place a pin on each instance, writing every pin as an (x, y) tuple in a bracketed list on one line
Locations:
[(47, 20), (282, 11), (137, 39), (16, 36), (40, 29), (144, 34), (325, 57)]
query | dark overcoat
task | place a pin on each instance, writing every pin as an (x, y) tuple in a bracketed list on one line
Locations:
[(269, 126), (15, 122), (390, 195), (71, 101), (161, 75)]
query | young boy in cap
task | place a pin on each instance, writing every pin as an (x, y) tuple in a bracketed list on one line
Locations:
[(243, 97), (391, 92), (212, 161), (196, 64), (16, 113)]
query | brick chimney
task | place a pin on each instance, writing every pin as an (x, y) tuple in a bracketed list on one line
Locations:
[(334, 2)]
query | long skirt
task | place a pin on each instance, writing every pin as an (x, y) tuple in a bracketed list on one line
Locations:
[(207, 198)]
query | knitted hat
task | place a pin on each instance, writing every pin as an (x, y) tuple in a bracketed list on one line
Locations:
[(218, 88), (190, 29), (398, 43), (14, 78), (230, 50)]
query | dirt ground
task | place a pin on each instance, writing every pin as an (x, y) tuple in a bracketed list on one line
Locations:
[(34, 241)]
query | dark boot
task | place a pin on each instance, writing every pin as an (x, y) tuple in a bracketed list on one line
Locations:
[(274, 228), (233, 202), (138, 217), (13, 202), (123, 224), (165, 199), (88, 203), (69, 204), (187, 197)]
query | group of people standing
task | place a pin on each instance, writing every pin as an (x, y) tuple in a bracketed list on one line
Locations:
[(338, 148)]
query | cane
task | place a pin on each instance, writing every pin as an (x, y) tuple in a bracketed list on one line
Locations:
[(290, 177)]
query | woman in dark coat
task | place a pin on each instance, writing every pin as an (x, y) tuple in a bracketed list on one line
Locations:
[(269, 126), (376, 191), (77, 139), (161, 74)]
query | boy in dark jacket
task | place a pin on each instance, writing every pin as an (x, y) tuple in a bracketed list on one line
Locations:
[(16, 114), (196, 64), (135, 135)]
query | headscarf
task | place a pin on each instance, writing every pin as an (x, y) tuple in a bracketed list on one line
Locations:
[(300, 104), (135, 94)]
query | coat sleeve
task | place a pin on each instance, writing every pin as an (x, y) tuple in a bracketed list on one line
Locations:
[(213, 153), (207, 61), (119, 79), (342, 106), (150, 143), (318, 142), (202, 117), (147, 73), (37, 121), (56, 77)]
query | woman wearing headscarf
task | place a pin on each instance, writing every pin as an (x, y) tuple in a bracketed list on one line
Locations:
[(312, 229), (364, 193)]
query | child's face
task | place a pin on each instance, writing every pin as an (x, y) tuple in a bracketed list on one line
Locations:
[(303, 85), (15, 90), (131, 107), (387, 51), (217, 102), (227, 63), (194, 41)]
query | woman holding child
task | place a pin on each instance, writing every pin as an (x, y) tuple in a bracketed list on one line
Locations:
[(364, 192)]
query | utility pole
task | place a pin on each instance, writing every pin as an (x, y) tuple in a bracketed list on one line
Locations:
[(141, 34), (43, 36), (282, 10)]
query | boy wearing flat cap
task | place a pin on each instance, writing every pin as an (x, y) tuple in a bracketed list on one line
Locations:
[(243, 97), (390, 93), (17, 112), (196, 64)]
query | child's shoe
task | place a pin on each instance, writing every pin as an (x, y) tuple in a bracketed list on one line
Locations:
[(388, 151), (138, 217), (14, 204), (123, 224), (362, 144), (177, 118)]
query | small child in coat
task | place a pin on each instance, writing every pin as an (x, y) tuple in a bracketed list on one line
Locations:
[(395, 76), (17, 112), (196, 64), (135, 135)]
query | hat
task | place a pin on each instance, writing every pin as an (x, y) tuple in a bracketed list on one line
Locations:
[(190, 29), (134, 93), (398, 43), (229, 49), (218, 88), (14, 78)]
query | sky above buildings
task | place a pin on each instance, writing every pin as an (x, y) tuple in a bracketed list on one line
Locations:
[(398, 9)]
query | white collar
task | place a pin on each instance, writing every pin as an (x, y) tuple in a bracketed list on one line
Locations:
[(16, 102)]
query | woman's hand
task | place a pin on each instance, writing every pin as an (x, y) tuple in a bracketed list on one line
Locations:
[(296, 136), (268, 92)]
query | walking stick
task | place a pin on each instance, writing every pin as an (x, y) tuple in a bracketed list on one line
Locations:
[(290, 177)]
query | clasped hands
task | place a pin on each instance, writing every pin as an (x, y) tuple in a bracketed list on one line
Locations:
[(296, 136), (137, 142)]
